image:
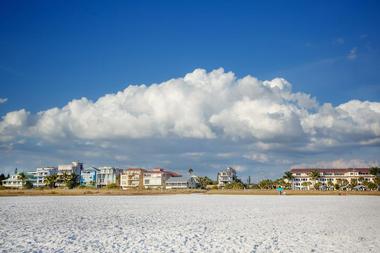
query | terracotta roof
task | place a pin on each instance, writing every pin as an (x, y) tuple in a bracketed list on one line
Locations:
[(330, 170), (138, 169)]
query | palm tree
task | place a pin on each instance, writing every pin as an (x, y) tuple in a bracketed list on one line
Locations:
[(361, 179), (191, 171), (314, 175), (21, 176), (305, 184), (354, 182), (289, 177)]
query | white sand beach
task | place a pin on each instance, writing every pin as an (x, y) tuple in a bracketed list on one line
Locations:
[(190, 223)]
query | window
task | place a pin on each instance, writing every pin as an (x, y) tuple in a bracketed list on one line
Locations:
[(146, 181)]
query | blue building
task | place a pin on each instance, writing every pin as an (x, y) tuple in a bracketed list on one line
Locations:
[(88, 176)]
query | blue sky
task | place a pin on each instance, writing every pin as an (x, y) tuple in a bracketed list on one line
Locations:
[(55, 51)]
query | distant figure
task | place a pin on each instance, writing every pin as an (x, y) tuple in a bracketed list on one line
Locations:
[(280, 189)]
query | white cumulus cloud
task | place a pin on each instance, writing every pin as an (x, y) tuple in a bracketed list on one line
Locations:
[(203, 105)]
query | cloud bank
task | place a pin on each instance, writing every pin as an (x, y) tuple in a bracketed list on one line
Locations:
[(204, 106)]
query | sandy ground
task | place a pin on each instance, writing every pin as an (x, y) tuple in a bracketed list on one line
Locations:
[(190, 223)]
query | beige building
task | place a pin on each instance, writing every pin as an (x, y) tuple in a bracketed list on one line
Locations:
[(141, 178), (303, 181), (132, 178)]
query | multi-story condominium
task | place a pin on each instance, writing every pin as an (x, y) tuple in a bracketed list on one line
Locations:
[(226, 176), (156, 178), (107, 176), (132, 178), (73, 168), (190, 182), (14, 181), (302, 179), (41, 173), (88, 176)]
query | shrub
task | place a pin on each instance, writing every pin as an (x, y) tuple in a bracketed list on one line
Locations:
[(28, 185), (111, 186), (235, 186)]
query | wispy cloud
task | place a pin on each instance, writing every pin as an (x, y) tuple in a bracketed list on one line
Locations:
[(339, 41), (3, 100), (352, 55)]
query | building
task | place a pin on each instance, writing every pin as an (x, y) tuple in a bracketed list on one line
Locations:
[(226, 176), (69, 169), (14, 181), (156, 178), (41, 173), (132, 178), (107, 176), (189, 182), (302, 179), (88, 176)]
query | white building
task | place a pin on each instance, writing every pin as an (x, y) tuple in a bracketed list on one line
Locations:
[(13, 182), (41, 173), (69, 169), (190, 182), (107, 176), (156, 178), (226, 176), (302, 179)]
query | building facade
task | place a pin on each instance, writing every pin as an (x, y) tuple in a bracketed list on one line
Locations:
[(41, 173), (69, 169), (226, 176), (190, 182), (107, 176), (132, 178), (88, 176), (157, 177), (302, 179), (15, 182)]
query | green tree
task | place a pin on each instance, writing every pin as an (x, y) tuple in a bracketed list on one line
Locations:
[(354, 182), (361, 180), (371, 186), (317, 186), (288, 176), (28, 184), (266, 184), (2, 177), (111, 186), (374, 171), (22, 176), (376, 180), (236, 185), (306, 184), (204, 181), (314, 175), (51, 180), (70, 180), (191, 171)]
